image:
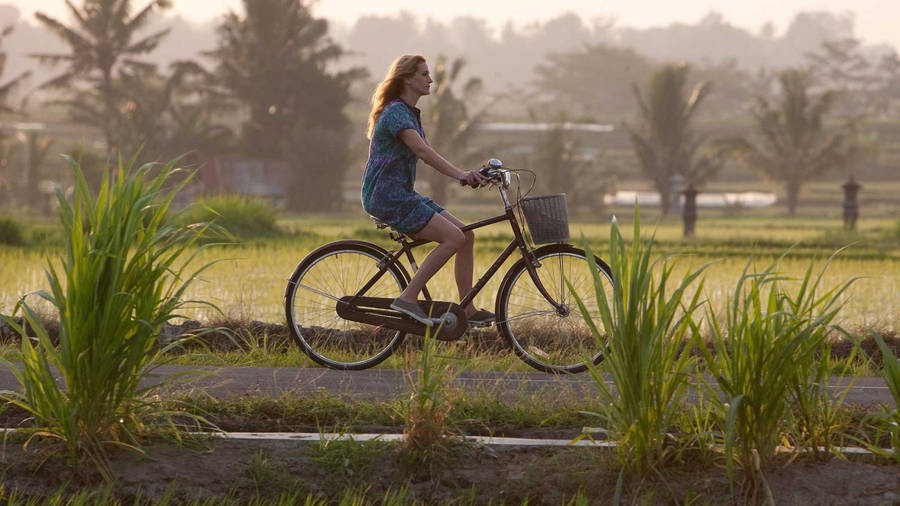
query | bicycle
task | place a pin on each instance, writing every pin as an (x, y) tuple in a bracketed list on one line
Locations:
[(341, 293)]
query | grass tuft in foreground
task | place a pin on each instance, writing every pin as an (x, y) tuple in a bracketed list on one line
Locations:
[(763, 356), (121, 277), (647, 321), (430, 403), (888, 419)]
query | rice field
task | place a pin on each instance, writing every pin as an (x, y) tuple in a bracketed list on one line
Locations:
[(248, 281)]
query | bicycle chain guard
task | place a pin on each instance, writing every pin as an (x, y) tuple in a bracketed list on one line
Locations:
[(377, 311)]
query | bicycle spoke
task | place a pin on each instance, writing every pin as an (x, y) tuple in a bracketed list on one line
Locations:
[(319, 292), (547, 339), (529, 315), (311, 307)]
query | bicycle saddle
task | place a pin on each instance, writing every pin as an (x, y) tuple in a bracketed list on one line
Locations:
[(395, 234), (378, 223)]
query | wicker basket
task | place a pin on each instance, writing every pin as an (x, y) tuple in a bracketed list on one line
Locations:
[(547, 218)]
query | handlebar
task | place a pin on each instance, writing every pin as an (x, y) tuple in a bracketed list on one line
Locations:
[(493, 171), (485, 172)]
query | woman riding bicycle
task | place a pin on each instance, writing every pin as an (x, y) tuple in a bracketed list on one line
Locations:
[(397, 143)]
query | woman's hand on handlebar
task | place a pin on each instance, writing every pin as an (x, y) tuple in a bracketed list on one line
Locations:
[(473, 178)]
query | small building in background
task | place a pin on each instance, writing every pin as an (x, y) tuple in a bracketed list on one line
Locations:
[(706, 199), (519, 140)]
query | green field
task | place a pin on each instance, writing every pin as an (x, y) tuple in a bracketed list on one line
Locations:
[(249, 280)]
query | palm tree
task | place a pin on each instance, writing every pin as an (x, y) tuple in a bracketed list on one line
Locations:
[(194, 102), (452, 126), (37, 149), (276, 62), (6, 89), (792, 144), (888, 79), (664, 143), (584, 179), (588, 82), (173, 114), (102, 43), (9, 86), (844, 65)]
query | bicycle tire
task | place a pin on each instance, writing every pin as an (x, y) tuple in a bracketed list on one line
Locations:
[(544, 338), (330, 272)]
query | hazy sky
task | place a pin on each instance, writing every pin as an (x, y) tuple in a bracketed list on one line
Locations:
[(877, 21)]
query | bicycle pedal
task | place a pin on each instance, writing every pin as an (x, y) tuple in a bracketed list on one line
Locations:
[(446, 322), (480, 325)]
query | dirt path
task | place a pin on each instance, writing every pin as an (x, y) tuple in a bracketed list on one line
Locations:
[(264, 470), (212, 469)]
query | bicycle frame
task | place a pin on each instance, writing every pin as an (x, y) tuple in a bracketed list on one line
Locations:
[(518, 243)]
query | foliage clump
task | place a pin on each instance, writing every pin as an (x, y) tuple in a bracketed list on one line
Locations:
[(427, 437), (769, 356), (122, 275), (240, 216), (12, 232), (887, 420), (647, 320)]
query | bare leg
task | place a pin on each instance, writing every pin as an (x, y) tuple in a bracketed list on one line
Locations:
[(463, 265), (449, 238)]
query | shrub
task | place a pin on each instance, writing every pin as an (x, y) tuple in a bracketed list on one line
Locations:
[(243, 217), (646, 321), (120, 278), (45, 234), (11, 232), (762, 354)]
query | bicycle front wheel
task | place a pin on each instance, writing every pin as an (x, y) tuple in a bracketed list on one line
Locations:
[(550, 339), (319, 281)]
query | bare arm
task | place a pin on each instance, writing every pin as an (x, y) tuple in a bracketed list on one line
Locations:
[(427, 154)]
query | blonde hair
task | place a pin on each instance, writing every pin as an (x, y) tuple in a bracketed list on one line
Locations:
[(392, 85)]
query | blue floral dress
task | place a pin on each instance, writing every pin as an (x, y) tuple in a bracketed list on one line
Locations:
[(387, 188)]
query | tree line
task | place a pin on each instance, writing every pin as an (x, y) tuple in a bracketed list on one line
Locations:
[(276, 86), (270, 69)]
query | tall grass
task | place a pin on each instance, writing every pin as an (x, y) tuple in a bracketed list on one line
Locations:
[(121, 277), (815, 405), (888, 419), (430, 403), (762, 353), (646, 321)]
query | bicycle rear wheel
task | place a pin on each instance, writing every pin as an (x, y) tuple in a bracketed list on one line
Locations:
[(551, 340), (319, 281)]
